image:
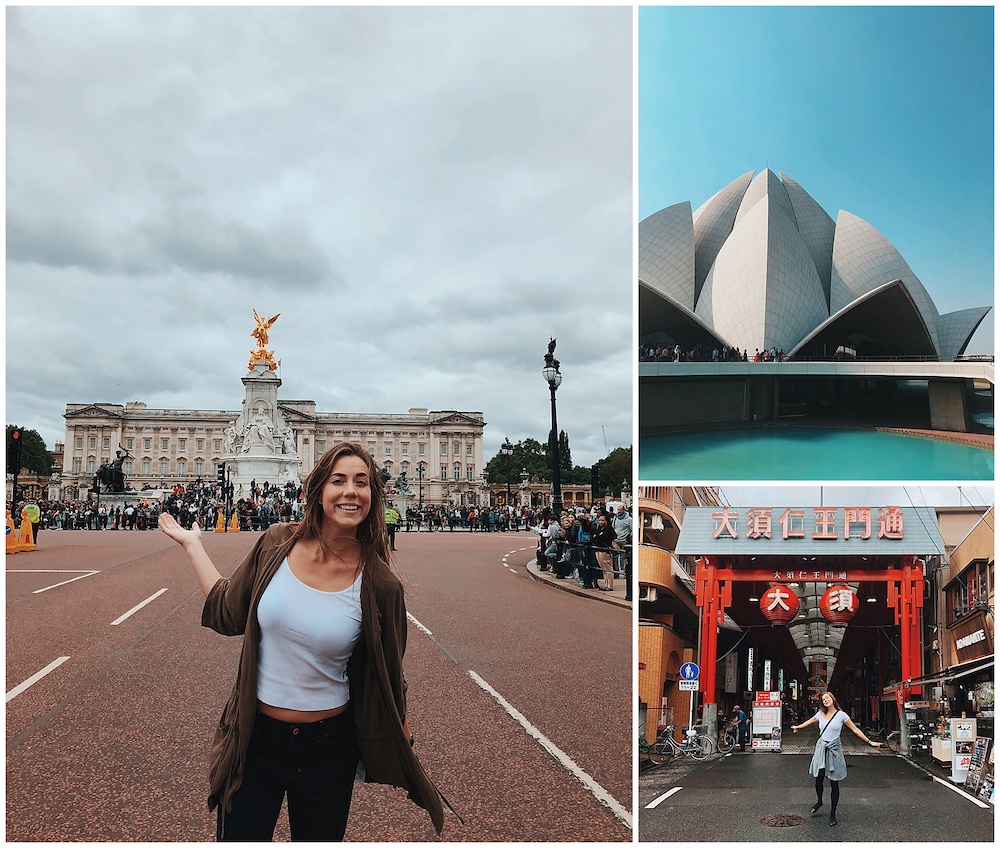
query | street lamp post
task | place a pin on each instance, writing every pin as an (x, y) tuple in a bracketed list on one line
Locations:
[(420, 478), (550, 371), (507, 449)]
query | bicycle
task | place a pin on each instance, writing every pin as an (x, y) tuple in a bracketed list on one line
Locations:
[(880, 733), (728, 738), (658, 751), (694, 745)]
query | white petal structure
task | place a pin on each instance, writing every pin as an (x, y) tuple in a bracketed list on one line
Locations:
[(760, 265)]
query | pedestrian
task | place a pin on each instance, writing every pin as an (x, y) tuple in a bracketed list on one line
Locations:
[(602, 540), (828, 759), (32, 514), (391, 520), (320, 683), (741, 727)]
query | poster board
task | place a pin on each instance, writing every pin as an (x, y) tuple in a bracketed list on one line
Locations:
[(978, 769), (766, 722)]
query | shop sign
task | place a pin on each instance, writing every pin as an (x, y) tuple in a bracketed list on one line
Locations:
[(732, 673), (972, 637), (828, 523)]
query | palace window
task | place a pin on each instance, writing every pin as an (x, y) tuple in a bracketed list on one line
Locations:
[(93, 442), (90, 466), (77, 466), (163, 468), (201, 444), (145, 467), (199, 467), (129, 444), (164, 444), (444, 448), (444, 472), (128, 466), (107, 443), (217, 445), (147, 444), (181, 468), (405, 448), (182, 444), (420, 448)]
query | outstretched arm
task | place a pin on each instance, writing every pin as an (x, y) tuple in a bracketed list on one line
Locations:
[(850, 725), (797, 727), (190, 540)]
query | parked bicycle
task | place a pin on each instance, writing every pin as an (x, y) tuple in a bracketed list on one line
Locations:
[(881, 733)]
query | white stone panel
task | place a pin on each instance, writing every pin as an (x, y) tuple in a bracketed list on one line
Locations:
[(666, 253), (765, 184), (864, 259), (955, 329), (763, 289), (713, 222), (816, 228)]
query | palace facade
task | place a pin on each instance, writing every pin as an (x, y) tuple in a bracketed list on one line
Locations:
[(440, 451)]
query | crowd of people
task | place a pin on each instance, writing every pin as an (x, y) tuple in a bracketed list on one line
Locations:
[(700, 353), (592, 547)]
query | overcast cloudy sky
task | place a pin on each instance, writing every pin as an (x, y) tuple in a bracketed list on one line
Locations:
[(425, 195)]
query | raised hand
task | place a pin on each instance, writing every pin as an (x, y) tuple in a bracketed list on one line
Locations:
[(168, 524)]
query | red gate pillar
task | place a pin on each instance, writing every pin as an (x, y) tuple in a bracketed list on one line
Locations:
[(712, 597), (907, 599)]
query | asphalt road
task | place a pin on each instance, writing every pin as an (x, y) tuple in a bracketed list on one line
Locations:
[(519, 694), (885, 798)]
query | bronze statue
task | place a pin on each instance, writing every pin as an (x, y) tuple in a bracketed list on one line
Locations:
[(110, 477)]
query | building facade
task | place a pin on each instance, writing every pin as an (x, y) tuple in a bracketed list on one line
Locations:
[(668, 614), (440, 451)]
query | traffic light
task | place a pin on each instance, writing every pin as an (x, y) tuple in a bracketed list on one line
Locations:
[(220, 474), (14, 452)]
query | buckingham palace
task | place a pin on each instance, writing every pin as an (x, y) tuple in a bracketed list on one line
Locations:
[(441, 451)]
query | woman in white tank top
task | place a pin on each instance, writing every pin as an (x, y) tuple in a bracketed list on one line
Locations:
[(309, 620)]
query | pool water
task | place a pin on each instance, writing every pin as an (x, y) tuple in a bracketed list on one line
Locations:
[(807, 453)]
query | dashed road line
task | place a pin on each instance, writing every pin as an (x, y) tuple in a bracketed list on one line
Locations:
[(598, 791), (652, 805), (137, 607), (31, 681), (53, 571)]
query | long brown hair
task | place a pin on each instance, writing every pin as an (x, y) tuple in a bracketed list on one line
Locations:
[(836, 703), (371, 533)]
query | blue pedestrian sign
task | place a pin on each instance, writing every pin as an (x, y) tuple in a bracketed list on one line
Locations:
[(689, 671)]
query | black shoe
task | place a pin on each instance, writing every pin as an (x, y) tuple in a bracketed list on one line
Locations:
[(815, 808), (833, 820)]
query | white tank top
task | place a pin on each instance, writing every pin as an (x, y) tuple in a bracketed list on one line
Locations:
[(306, 638)]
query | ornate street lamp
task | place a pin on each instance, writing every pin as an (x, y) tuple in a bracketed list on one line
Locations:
[(507, 449), (550, 371), (420, 477)]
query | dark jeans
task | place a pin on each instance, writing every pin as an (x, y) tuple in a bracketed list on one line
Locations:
[(314, 763)]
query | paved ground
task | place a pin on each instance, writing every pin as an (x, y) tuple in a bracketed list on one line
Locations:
[(885, 798), (519, 696)]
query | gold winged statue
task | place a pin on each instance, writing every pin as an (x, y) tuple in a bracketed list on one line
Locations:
[(260, 333)]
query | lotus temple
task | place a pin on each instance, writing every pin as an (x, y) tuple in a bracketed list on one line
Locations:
[(839, 324)]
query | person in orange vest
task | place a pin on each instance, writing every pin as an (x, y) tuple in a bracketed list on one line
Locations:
[(33, 513)]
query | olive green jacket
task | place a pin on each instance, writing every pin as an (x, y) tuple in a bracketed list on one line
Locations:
[(375, 670)]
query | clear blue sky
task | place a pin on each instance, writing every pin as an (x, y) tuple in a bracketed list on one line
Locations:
[(883, 112)]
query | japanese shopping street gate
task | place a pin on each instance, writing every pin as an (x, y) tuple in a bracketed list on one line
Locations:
[(882, 547), (714, 581)]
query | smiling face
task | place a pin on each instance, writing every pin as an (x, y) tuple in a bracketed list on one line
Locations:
[(347, 495)]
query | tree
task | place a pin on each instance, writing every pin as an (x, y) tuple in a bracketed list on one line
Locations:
[(34, 455)]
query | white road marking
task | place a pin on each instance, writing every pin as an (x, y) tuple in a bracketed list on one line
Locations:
[(598, 791), (419, 625), (138, 607), (52, 571), (652, 805), (31, 681), (975, 801)]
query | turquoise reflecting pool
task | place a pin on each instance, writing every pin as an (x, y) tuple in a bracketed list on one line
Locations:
[(807, 453)]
